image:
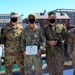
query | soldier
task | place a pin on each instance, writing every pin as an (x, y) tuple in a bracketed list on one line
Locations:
[(1, 49), (32, 36), (0, 55), (71, 46), (54, 45), (11, 40)]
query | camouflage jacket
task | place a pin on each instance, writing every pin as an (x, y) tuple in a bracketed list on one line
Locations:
[(71, 42), (56, 32), (33, 37), (11, 36)]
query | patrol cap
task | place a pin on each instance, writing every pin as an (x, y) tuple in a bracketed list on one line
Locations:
[(14, 14), (31, 15), (52, 13)]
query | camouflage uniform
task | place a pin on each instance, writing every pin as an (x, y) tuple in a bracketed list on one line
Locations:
[(32, 37), (71, 45), (1, 55), (13, 52), (0, 63), (54, 54), (2, 48)]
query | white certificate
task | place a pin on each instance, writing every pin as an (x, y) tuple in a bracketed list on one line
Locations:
[(0, 51), (31, 50)]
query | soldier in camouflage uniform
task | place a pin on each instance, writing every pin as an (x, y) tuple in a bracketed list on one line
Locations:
[(32, 36), (11, 34), (0, 52), (54, 45), (71, 46)]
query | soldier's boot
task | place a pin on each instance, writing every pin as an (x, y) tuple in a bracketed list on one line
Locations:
[(39, 73), (59, 72), (74, 72), (22, 71), (27, 72), (8, 74), (8, 71)]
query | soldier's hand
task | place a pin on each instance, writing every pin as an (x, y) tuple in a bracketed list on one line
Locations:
[(53, 42), (24, 53), (63, 42), (71, 56), (39, 52)]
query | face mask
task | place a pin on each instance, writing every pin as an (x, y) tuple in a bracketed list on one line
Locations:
[(32, 20), (52, 20), (13, 19)]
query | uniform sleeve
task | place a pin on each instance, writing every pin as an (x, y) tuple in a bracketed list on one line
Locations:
[(64, 34), (3, 35), (22, 42), (43, 40), (70, 44)]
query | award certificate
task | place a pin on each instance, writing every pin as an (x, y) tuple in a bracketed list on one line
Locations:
[(32, 50)]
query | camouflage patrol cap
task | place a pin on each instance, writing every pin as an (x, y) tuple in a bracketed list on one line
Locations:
[(31, 15), (51, 13), (14, 14)]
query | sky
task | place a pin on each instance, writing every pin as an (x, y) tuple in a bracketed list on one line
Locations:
[(26, 7)]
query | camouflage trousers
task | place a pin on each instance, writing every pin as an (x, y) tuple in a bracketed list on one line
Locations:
[(73, 64), (55, 59), (29, 60), (9, 61), (0, 63), (55, 65)]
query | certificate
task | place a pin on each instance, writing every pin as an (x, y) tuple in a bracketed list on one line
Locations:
[(32, 50), (0, 51)]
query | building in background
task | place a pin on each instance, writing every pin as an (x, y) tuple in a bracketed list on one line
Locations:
[(62, 18), (42, 18), (5, 18), (70, 13)]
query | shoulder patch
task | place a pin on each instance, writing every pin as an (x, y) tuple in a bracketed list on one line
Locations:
[(59, 28)]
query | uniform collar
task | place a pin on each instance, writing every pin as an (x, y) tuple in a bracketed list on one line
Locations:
[(14, 26), (34, 27)]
